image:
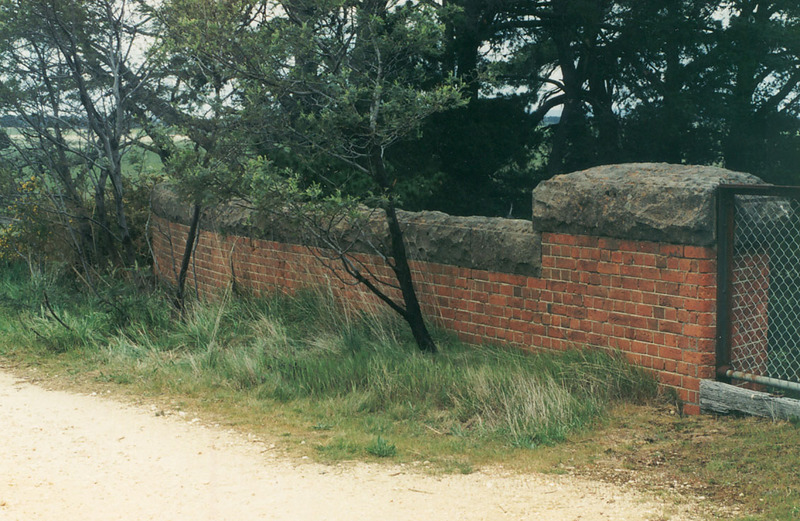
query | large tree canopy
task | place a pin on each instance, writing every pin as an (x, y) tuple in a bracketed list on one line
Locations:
[(551, 86)]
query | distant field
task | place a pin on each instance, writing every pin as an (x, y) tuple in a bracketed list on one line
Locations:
[(136, 159), (17, 133)]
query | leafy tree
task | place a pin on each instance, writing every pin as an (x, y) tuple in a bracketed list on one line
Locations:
[(87, 84), (62, 77), (188, 96), (670, 109), (681, 81), (544, 56), (325, 89), (759, 50), (469, 160)]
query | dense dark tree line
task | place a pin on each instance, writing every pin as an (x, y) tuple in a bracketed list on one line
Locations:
[(708, 82)]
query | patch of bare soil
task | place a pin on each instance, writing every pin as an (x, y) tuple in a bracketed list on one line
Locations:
[(66, 456), (664, 454)]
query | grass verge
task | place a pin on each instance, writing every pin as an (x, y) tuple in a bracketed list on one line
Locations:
[(354, 371)]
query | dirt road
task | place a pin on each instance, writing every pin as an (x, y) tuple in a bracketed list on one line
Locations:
[(66, 457)]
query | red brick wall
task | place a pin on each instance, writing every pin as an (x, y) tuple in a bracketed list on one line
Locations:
[(654, 302)]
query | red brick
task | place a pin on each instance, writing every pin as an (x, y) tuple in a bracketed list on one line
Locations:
[(692, 384), (645, 259), (605, 243), (671, 379), (707, 266), (706, 372), (697, 252), (505, 289), (695, 331), (497, 300), (535, 283), (707, 292), (701, 305), (691, 408), (592, 254), (608, 269), (670, 353), (637, 246), (560, 238), (706, 345)]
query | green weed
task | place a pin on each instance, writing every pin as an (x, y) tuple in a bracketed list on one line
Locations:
[(381, 448)]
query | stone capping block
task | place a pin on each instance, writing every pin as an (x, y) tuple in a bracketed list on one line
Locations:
[(656, 202), (484, 243)]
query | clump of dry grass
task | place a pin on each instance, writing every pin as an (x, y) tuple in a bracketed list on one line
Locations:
[(306, 349)]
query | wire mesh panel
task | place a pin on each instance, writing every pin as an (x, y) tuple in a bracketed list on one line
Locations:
[(749, 311), (784, 298), (762, 319)]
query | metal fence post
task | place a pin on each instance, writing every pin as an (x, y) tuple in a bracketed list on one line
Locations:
[(725, 240)]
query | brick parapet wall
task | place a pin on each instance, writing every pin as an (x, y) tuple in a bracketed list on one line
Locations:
[(655, 302)]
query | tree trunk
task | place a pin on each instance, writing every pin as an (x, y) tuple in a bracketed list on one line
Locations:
[(608, 129), (119, 204), (674, 124), (745, 133), (572, 121), (412, 313), (105, 241), (180, 295)]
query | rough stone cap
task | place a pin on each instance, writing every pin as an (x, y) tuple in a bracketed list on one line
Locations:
[(485, 243), (642, 201), (235, 217)]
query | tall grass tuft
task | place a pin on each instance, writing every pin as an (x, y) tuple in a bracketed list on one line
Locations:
[(305, 349)]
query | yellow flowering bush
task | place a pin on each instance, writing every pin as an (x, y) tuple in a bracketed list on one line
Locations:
[(23, 226)]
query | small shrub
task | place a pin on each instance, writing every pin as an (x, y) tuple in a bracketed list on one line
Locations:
[(382, 448), (24, 227)]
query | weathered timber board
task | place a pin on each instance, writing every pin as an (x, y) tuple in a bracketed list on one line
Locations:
[(722, 398)]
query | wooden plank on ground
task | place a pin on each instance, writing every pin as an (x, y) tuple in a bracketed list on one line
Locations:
[(722, 398)]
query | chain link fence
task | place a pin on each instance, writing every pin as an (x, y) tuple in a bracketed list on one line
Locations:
[(759, 315)]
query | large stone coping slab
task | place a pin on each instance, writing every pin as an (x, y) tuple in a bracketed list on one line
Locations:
[(644, 201)]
